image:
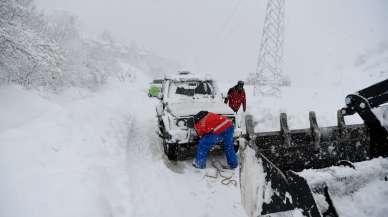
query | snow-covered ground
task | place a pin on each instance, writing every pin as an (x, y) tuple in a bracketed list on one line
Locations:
[(297, 101), (96, 154), (355, 192), (64, 155), (84, 153)]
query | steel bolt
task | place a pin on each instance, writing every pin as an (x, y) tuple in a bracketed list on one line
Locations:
[(362, 105)]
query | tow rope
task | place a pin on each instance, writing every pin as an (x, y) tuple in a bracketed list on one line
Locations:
[(225, 180)]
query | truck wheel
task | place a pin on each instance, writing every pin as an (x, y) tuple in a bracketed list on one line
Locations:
[(171, 151)]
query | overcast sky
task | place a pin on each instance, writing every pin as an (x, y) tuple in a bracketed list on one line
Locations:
[(222, 37)]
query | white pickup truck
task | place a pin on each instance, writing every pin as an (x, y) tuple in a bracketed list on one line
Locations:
[(183, 96)]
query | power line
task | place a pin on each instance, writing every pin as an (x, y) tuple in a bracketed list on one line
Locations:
[(229, 19)]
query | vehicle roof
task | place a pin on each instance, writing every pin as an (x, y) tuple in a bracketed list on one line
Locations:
[(187, 76)]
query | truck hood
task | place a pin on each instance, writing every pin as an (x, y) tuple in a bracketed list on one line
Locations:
[(188, 108)]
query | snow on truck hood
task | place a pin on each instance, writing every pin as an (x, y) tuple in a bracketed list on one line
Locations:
[(192, 107)]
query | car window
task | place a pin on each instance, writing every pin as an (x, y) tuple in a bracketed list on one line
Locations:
[(190, 88), (203, 88)]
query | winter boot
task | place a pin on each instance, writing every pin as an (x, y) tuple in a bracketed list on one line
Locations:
[(196, 165)]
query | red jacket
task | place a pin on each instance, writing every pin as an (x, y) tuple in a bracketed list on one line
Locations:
[(212, 123), (236, 98)]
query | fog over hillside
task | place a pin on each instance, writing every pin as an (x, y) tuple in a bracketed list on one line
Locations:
[(323, 38)]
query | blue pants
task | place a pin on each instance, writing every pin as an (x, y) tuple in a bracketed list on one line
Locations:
[(208, 141)]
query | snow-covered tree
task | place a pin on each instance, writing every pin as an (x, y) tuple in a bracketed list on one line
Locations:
[(38, 50), (26, 57)]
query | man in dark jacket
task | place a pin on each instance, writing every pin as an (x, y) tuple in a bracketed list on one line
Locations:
[(212, 129), (236, 97)]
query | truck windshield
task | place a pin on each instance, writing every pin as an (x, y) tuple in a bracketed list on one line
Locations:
[(157, 82), (190, 88)]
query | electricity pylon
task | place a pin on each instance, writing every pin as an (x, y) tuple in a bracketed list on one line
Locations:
[(269, 74)]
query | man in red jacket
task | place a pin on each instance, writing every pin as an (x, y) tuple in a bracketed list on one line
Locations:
[(212, 129), (236, 97)]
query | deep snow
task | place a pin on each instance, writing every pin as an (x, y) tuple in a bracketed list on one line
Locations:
[(97, 154), (85, 153), (68, 157), (355, 192)]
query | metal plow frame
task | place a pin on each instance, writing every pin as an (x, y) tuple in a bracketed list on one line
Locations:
[(314, 147), (281, 153)]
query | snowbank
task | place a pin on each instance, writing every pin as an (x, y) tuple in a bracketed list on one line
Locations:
[(64, 157)]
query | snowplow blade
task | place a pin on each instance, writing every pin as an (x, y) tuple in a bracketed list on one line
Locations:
[(267, 191), (270, 185), (314, 147)]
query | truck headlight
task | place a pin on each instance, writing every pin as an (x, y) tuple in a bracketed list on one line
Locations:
[(181, 123)]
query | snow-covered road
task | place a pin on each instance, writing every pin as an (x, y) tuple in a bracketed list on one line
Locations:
[(160, 187), (83, 154), (96, 154)]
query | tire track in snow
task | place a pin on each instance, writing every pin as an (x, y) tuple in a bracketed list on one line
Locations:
[(163, 188)]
